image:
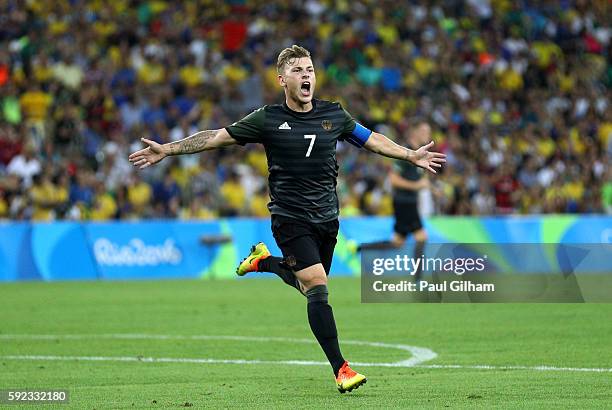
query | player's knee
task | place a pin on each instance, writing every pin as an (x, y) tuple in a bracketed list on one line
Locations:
[(398, 240), (318, 280), (318, 293), (312, 276), (420, 235)]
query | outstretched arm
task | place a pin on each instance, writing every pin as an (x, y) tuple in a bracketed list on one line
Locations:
[(200, 141), (422, 157)]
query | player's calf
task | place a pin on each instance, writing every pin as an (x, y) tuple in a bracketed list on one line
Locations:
[(260, 260)]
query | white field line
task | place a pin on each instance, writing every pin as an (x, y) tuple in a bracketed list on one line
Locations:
[(537, 368), (293, 363), (419, 354)]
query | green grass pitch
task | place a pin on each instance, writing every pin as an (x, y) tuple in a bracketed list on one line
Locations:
[(466, 335)]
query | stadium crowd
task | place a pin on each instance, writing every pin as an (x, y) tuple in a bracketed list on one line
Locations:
[(518, 97)]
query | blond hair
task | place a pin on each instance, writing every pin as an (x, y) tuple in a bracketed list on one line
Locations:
[(288, 56)]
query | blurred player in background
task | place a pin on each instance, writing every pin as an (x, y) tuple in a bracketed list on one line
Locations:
[(407, 180), (299, 137)]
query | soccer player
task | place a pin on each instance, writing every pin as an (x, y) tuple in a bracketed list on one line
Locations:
[(407, 180), (299, 137)]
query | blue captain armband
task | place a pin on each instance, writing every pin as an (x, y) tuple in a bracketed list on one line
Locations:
[(359, 136)]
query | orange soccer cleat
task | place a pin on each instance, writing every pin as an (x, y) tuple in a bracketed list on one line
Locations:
[(348, 379), (251, 262)]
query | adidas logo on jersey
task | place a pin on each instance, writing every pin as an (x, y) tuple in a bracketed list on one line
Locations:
[(284, 126)]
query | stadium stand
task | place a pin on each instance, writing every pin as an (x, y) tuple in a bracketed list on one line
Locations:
[(518, 96)]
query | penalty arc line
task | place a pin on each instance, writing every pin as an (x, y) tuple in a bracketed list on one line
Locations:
[(419, 354)]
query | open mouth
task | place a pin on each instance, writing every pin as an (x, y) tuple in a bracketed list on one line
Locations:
[(305, 88)]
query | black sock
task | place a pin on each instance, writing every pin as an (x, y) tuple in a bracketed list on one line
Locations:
[(377, 245), (419, 246), (279, 266), (323, 325)]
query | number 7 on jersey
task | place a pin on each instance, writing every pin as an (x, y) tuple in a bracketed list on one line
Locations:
[(312, 138)]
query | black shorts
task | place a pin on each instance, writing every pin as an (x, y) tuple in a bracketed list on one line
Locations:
[(407, 218), (304, 243)]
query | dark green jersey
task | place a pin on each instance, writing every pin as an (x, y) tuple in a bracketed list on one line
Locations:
[(408, 171), (301, 152)]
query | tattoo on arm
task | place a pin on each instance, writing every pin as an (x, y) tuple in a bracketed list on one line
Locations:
[(200, 141)]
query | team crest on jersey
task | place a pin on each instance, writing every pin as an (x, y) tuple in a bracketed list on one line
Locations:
[(326, 124)]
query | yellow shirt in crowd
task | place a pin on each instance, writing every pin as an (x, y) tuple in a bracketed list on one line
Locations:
[(3, 208), (35, 104), (152, 73), (191, 75), (45, 198), (139, 195), (234, 195), (105, 207), (259, 206)]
